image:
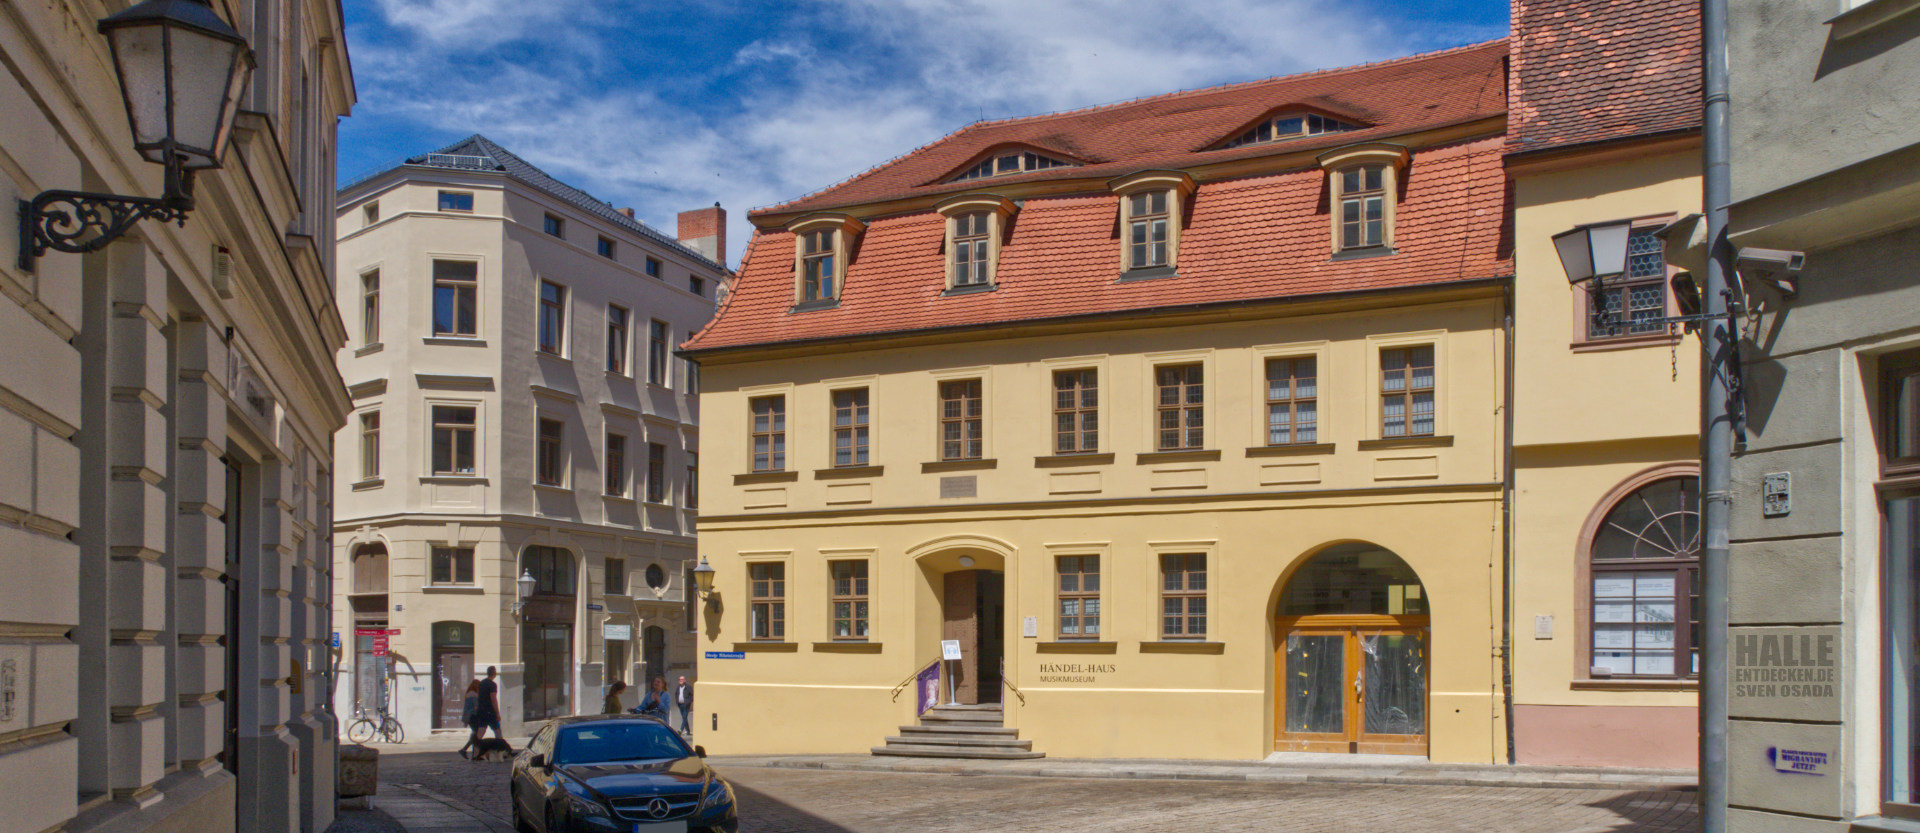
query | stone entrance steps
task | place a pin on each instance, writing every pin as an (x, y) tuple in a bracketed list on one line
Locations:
[(960, 732)]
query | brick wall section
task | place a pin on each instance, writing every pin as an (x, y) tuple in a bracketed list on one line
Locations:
[(1593, 70), (705, 229)]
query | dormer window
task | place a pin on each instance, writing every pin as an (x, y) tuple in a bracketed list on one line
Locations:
[(823, 243), (1147, 230), (1007, 164), (1289, 126), (970, 249), (816, 266), (1362, 215), (1152, 211), (976, 223), (1363, 188)]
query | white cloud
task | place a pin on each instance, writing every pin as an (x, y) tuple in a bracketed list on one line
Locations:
[(847, 86)]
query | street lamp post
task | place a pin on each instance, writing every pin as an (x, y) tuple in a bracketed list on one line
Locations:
[(181, 71)]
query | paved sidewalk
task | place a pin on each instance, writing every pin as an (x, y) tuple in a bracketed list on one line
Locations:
[(1289, 768), (421, 810)]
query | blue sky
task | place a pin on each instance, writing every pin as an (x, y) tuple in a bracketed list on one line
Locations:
[(665, 105)]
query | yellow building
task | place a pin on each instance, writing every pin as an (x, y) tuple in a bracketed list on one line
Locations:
[(1183, 417), (1605, 411)]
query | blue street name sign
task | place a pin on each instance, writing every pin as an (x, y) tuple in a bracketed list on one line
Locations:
[(726, 655), (335, 641)]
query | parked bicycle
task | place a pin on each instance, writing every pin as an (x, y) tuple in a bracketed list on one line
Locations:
[(366, 726)]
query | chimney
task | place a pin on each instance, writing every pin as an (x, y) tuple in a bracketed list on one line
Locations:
[(628, 212), (705, 231)]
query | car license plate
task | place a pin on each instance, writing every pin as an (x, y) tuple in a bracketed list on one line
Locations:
[(675, 826)]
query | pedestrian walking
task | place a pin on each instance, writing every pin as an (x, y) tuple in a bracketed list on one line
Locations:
[(612, 706), (655, 703), (683, 698), (486, 712), (469, 709)]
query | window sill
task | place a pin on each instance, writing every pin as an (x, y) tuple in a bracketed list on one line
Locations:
[(846, 646), (454, 341), (849, 472), (1885, 824), (658, 504), (766, 477), (620, 374), (1147, 274), (1636, 685), (1076, 646), (810, 306), (1601, 345), (1177, 646), (1869, 16), (553, 487), (1295, 450), (1407, 442), (959, 465), (767, 647), (651, 385), (1194, 455), (617, 498), (1363, 253), (455, 478), (369, 349), (969, 289), (1066, 461), (552, 357), (369, 483), (464, 589)]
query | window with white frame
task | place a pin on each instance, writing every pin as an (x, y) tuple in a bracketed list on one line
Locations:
[(817, 274), (1008, 164), (1147, 220), (970, 265), (1286, 126)]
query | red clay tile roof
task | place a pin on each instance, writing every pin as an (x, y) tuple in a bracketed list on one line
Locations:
[(1593, 70), (1175, 130), (1249, 239)]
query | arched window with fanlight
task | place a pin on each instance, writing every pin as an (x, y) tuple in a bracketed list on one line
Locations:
[(1644, 561)]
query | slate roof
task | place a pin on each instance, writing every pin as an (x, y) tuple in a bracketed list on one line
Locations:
[(1180, 130), (1589, 71), (478, 153)]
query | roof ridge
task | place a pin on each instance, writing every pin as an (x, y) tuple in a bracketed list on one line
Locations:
[(1233, 85), (500, 156), (1115, 105)]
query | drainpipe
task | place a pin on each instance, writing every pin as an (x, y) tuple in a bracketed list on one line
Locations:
[(1506, 526), (1716, 428)]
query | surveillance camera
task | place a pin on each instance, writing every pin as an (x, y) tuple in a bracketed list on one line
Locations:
[(1771, 260)]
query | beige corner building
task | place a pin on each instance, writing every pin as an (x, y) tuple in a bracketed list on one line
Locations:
[(167, 408), (1182, 417), (517, 414), (1605, 525)]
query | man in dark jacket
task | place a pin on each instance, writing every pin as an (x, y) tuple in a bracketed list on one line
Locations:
[(683, 698)]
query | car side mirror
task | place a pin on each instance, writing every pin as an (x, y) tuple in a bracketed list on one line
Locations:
[(538, 760), (700, 751)]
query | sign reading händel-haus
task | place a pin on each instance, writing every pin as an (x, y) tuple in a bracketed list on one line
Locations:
[(1074, 672), (1785, 672)]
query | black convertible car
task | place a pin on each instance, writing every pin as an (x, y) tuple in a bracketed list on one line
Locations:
[(617, 774)]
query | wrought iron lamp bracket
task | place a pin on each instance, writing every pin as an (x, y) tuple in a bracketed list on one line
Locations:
[(80, 221), (1606, 319)]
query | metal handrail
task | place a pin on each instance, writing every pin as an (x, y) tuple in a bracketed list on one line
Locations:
[(911, 677), (1009, 683)]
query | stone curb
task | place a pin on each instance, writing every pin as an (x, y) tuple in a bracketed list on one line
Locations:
[(1255, 773)]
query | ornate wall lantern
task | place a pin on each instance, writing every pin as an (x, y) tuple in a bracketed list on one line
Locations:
[(181, 72)]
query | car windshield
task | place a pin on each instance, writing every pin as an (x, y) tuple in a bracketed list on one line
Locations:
[(625, 740)]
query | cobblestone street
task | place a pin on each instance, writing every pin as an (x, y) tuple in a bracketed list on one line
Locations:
[(804, 801)]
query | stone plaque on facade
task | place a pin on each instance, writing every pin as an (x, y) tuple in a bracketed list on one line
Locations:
[(1791, 673), (964, 486)]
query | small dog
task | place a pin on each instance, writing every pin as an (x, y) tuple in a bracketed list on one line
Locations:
[(491, 749)]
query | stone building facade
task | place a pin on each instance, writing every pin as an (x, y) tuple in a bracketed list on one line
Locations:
[(1825, 522), (517, 412), (167, 407)]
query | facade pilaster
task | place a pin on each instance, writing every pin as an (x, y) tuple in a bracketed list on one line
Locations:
[(199, 556)]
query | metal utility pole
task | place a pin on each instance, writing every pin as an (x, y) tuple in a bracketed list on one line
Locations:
[(1717, 365)]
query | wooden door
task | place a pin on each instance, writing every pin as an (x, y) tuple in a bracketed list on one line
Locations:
[(452, 670), (1351, 684)]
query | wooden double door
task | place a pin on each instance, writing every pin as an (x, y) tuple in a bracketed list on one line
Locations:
[(1351, 684)]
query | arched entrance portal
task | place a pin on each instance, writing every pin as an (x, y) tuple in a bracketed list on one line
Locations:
[(1350, 655)]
